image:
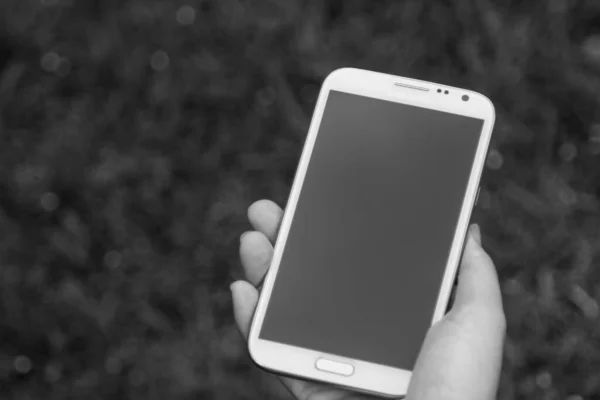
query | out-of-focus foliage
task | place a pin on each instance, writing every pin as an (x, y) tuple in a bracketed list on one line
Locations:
[(134, 134)]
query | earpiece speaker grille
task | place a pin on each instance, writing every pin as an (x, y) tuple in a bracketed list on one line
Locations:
[(408, 85)]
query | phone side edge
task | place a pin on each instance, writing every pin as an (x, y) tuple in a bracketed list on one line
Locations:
[(461, 231)]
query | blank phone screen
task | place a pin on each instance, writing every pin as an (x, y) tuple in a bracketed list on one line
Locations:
[(372, 231)]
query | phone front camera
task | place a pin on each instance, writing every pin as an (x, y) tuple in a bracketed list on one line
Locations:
[(465, 97)]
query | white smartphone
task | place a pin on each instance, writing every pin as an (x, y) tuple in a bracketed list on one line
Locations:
[(373, 230)]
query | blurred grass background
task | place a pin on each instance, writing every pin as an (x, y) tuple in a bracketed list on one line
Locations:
[(134, 134)]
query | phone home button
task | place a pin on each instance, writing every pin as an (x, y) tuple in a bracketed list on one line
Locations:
[(334, 367)]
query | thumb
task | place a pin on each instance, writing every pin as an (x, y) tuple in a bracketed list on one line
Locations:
[(478, 285), (461, 357)]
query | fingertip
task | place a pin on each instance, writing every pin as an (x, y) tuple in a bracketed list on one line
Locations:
[(476, 233), (250, 239), (242, 290), (473, 248), (265, 216), (245, 298), (260, 208), (254, 207), (233, 286), (243, 235), (478, 283)]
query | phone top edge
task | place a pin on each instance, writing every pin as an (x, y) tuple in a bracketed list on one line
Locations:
[(396, 88), (355, 71)]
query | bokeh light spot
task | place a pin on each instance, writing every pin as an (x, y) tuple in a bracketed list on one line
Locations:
[(49, 201), (186, 15), (159, 61), (495, 159), (544, 380), (23, 364), (591, 48), (50, 61)]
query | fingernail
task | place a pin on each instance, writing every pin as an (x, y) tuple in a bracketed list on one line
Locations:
[(244, 234), (476, 233)]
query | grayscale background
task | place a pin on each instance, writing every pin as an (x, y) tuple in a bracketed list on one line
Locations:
[(134, 134)]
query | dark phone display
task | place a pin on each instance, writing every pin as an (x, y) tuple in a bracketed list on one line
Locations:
[(371, 235)]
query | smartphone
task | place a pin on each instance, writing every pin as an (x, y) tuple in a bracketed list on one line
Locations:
[(373, 231)]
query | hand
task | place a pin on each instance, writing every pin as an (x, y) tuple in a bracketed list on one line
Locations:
[(462, 354)]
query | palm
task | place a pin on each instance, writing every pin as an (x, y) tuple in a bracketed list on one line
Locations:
[(461, 356)]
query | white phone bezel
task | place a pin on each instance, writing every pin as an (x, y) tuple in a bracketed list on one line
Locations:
[(369, 377)]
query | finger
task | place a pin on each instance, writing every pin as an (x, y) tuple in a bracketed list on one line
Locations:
[(256, 253), (462, 354), (478, 283), (265, 216), (245, 298)]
